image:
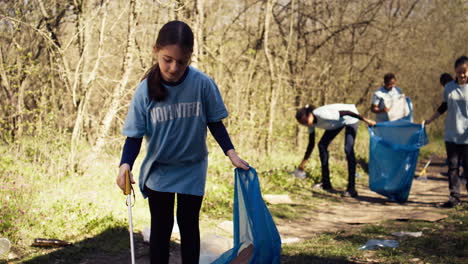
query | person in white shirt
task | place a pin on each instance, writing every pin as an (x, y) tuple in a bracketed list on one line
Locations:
[(333, 118), (384, 98), (455, 103)]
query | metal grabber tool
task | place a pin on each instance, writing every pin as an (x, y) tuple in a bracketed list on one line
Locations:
[(423, 174), (128, 191)]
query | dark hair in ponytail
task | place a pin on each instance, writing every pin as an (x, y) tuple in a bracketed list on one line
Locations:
[(172, 33), (304, 111)]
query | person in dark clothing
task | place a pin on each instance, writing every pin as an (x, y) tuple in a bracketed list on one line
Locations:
[(333, 118)]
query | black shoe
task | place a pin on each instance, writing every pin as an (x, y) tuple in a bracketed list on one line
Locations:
[(452, 202), (349, 193)]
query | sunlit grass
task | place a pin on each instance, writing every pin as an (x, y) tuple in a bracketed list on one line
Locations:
[(42, 197)]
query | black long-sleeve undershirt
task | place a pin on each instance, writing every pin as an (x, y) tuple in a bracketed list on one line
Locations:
[(349, 113), (310, 146), (442, 108), (219, 132), (130, 151)]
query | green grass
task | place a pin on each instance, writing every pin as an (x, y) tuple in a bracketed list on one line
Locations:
[(445, 241), (42, 197)]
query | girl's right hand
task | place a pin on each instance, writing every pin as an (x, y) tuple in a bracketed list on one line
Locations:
[(121, 177)]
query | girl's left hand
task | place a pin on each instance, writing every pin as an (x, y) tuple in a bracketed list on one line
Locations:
[(236, 161)]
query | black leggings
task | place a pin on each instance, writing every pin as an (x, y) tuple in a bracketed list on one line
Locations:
[(457, 154), (162, 220), (328, 136)]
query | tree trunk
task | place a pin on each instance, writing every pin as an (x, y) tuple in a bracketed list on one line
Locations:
[(119, 89), (272, 95), (198, 32), (88, 87)]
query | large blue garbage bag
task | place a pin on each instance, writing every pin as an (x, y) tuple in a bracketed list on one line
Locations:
[(393, 156), (256, 239), (409, 117)]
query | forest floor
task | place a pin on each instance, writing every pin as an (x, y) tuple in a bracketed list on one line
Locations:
[(338, 213), (331, 214)]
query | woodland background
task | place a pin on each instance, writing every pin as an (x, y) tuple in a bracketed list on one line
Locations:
[(68, 69)]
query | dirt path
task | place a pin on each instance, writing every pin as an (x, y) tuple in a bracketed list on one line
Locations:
[(371, 207), (339, 213)]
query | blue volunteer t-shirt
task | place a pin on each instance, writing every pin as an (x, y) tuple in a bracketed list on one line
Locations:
[(456, 122), (175, 132)]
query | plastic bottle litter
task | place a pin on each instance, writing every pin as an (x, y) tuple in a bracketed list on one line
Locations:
[(5, 246), (376, 244), (300, 174), (317, 186)]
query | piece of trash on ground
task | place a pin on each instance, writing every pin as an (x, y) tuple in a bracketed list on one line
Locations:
[(405, 233), (376, 244), (277, 198), (5, 246), (317, 186), (212, 246), (300, 174), (46, 242), (12, 256)]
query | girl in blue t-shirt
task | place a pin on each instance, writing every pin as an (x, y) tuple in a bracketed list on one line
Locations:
[(332, 118), (172, 108)]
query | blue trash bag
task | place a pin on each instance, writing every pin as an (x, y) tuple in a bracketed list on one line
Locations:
[(393, 156), (253, 224), (409, 117)]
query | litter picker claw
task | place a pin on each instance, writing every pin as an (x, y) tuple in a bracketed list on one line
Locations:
[(423, 174)]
